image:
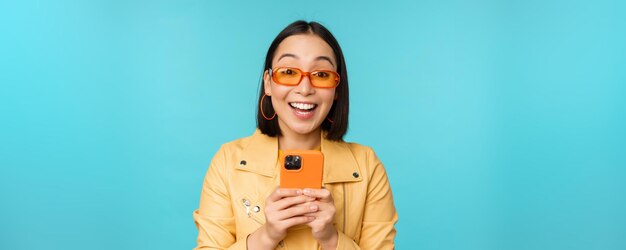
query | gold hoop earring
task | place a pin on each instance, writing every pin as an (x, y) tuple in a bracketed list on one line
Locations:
[(263, 113)]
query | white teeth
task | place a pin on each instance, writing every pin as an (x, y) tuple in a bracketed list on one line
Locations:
[(303, 106)]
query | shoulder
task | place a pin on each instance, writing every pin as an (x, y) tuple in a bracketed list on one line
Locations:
[(367, 158), (360, 150), (230, 150), (364, 155), (236, 145)]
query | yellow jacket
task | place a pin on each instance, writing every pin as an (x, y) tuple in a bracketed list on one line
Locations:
[(244, 172)]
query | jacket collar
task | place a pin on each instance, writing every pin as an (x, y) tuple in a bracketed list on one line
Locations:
[(261, 156)]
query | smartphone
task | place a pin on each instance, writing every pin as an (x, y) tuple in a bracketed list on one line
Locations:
[(301, 169)]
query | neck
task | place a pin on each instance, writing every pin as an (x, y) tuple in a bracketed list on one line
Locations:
[(291, 140)]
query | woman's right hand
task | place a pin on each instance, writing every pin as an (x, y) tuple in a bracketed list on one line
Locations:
[(284, 208)]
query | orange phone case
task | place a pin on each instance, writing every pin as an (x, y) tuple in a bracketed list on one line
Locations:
[(308, 176)]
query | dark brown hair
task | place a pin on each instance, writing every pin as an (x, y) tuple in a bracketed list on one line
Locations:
[(338, 112)]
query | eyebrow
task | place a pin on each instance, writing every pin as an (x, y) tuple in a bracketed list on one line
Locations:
[(319, 58)]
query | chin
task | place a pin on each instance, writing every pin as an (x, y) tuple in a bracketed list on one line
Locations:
[(303, 129)]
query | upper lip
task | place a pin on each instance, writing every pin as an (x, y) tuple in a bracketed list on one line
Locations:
[(303, 102)]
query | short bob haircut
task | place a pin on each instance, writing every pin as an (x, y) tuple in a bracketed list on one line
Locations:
[(338, 112)]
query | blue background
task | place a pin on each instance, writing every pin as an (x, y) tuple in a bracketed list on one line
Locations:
[(501, 123)]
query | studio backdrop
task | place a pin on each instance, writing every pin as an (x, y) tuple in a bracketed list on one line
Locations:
[(501, 123)]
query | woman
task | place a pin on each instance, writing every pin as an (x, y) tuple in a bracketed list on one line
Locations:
[(303, 105)]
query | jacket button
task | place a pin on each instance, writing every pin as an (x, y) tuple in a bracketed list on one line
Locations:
[(242, 163), (355, 174)]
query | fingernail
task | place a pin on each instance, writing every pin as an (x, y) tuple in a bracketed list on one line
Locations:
[(313, 207), (298, 192), (306, 191)]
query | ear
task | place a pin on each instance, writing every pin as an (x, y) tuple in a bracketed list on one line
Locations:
[(267, 85)]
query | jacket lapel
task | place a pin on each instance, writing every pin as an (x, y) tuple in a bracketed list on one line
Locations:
[(260, 156), (339, 162)]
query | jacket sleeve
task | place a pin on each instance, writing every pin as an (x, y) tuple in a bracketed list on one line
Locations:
[(379, 217), (214, 218)]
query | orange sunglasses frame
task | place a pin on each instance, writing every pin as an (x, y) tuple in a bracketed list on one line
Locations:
[(307, 74)]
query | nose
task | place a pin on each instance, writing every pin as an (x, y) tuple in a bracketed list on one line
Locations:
[(305, 88)]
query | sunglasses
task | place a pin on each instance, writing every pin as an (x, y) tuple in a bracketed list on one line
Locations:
[(293, 76)]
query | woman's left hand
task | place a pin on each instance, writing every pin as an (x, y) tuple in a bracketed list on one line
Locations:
[(322, 226)]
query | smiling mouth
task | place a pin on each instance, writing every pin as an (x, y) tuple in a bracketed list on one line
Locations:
[(303, 107)]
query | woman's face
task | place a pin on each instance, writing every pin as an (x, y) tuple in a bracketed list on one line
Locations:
[(301, 109)]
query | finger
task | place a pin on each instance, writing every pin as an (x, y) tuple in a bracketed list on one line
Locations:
[(322, 194), (308, 198), (323, 210), (297, 211), (306, 204), (320, 211), (297, 221), (314, 214), (317, 204), (320, 217), (318, 214), (280, 193), (324, 206), (290, 201)]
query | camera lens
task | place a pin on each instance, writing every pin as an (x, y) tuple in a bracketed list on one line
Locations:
[(293, 162)]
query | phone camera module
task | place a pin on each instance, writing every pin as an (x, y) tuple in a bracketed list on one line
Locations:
[(293, 162)]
